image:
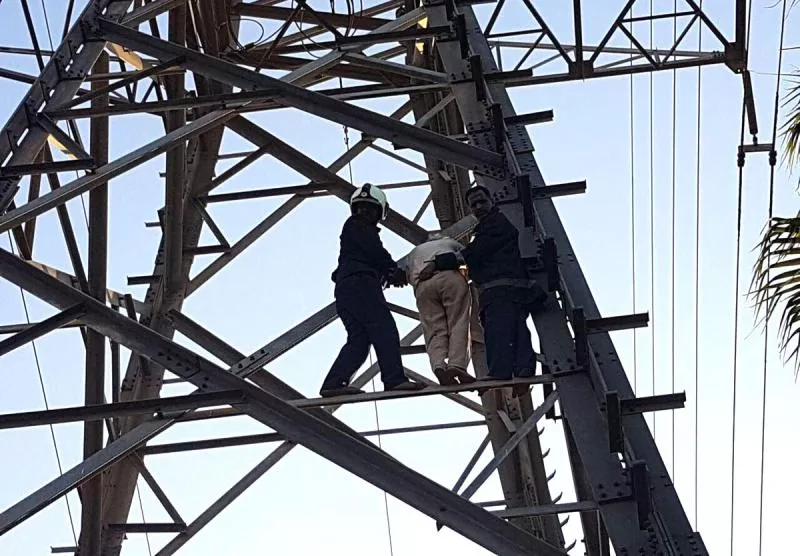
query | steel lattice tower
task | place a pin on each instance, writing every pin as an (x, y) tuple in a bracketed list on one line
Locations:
[(183, 64)]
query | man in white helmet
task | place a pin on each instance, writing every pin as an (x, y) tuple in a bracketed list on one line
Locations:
[(364, 267), (445, 308)]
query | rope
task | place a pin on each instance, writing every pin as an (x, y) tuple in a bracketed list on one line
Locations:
[(141, 508), (44, 396), (697, 290), (385, 496), (372, 382), (772, 160), (740, 162)]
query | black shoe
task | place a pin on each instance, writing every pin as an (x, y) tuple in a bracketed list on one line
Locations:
[(339, 391), (445, 377), (405, 386), (462, 376)]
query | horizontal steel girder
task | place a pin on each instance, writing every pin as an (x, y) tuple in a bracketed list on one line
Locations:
[(371, 464), (374, 124), (119, 166)]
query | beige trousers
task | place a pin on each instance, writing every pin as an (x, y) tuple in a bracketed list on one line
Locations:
[(445, 310)]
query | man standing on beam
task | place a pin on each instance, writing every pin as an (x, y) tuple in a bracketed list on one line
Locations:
[(364, 268), (444, 302), (506, 295)]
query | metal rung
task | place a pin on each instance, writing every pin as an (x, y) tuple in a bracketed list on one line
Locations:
[(146, 279), (532, 118), (559, 190), (645, 404), (504, 75), (207, 249), (149, 527), (621, 322)]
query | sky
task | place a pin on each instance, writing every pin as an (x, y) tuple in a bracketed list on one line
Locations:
[(306, 504)]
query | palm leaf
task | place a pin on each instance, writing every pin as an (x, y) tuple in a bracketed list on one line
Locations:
[(776, 281), (791, 128)]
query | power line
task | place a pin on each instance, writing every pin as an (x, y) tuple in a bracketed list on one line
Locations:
[(772, 160), (44, 397), (740, 163), (633, 224), (674, 166), (652, 237), (697, 291)]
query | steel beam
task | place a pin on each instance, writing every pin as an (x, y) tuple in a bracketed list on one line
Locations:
[(51, 89), (247, 440), (338, 20), (403, 134), (31, 332), (175, 182), (518, 436), (108, 171), (578, 398), (92, 491), (349, 453), (91, 413), (316, 172)]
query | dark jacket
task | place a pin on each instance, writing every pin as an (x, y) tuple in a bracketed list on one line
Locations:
[(494, 261), (361, 251)]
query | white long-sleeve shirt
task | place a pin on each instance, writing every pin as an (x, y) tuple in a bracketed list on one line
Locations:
[(426, 252)]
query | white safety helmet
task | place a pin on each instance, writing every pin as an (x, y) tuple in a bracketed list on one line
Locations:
[(369, 193)]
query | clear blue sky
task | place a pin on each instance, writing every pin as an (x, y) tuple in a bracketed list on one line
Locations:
[(305, 504)]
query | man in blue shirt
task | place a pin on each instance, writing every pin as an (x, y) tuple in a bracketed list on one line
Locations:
[(506, 295), (364, 267)]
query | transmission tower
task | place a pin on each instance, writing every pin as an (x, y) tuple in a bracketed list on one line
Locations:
[(188, 65)]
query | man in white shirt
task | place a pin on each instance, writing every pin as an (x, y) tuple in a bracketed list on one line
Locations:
[(445, 308)]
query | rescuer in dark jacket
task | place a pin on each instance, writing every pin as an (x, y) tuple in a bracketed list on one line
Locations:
[(505, 293), (364, 267)]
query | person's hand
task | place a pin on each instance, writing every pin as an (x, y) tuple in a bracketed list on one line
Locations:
[(426, 272), (397, 278)]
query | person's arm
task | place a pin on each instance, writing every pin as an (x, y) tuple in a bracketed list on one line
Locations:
[(372, 247), (498, 233)]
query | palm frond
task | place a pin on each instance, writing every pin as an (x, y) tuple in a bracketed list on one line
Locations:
[(776, 281), (791, 128)]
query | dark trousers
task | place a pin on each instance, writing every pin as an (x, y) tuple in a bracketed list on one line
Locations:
[(509, 351), (366, 317)]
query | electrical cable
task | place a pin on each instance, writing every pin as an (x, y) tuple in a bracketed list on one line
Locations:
[(44, 397), (652, 237), (674, 182), (772, 161), (633, 223), (737, 273), (697, 288)]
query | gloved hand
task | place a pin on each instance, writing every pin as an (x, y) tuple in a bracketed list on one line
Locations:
[(397, 278)]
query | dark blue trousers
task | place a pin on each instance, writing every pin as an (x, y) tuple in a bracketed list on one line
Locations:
[(509, 351), (368, 321)]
